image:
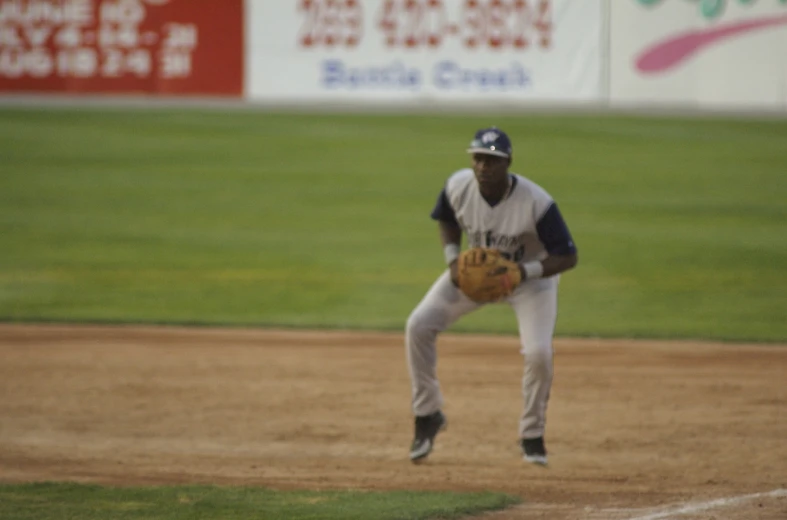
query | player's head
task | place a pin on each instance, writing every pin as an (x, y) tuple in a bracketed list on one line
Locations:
[(492, 152)]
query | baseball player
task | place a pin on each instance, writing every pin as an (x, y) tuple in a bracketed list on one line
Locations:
[(505, 211)]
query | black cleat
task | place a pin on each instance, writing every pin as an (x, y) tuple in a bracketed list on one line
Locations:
[(426, 428), (533, 450)]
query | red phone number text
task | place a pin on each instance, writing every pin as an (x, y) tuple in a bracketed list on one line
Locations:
[(494, 24)]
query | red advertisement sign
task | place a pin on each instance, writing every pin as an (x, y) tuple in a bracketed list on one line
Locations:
[(122, 46)]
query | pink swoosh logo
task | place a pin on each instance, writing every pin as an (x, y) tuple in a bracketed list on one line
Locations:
[(669, 53)]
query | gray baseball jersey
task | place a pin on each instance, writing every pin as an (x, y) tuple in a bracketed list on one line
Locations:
[(525, 225)]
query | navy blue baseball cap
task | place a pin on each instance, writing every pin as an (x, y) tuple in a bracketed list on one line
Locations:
[(491, 141)]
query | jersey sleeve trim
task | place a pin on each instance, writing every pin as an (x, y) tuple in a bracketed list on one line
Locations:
[(553, 232), (443, 211)]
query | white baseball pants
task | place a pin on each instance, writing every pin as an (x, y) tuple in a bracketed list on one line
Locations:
[(535, 306)]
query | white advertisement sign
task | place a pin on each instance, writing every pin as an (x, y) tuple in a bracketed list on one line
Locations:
[(422, 50), (710, 54)]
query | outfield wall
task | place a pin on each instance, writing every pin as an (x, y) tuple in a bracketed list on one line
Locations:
[(707, 53), (715, 54), (417, 50), (162, 47)]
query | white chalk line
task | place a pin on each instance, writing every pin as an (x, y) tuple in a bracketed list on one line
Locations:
[(698, 507)]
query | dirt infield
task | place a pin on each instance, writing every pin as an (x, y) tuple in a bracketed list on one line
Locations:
[(645, 430)]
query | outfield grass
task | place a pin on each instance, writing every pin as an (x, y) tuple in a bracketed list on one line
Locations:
[(50, 501), (231, 217)]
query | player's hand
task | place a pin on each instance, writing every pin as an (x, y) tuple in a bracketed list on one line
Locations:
[(454, 268)]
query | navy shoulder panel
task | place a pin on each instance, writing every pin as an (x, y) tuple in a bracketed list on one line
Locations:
[(443, 211), (553, 233)]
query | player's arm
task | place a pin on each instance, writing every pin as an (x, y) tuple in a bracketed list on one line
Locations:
[(562, 252), (450, 233), (556, 264), (451, 237)]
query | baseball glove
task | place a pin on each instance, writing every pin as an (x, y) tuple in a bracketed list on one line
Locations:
[(485, 275)]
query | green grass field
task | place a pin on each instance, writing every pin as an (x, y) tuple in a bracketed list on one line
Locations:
[(49, 501), (252, 218)]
